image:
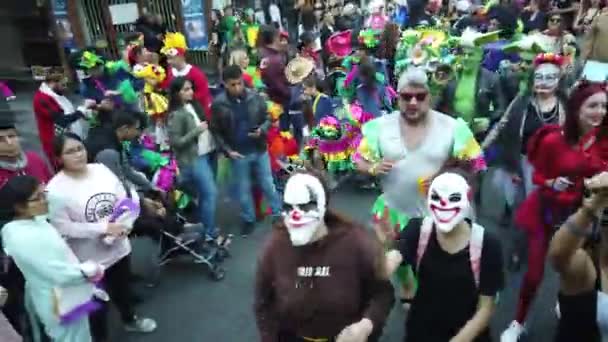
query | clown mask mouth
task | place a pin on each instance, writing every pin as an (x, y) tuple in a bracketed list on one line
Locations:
[(444, 215)]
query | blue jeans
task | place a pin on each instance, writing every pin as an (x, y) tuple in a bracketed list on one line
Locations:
[(201, 174), (259, 163)]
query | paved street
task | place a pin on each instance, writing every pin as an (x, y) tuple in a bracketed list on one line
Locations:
[(190, 307)]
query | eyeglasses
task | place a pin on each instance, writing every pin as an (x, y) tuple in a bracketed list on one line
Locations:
[(407, 97)]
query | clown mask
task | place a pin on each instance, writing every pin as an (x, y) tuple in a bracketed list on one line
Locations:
[(304, 208), (546, 78), (448, 201)]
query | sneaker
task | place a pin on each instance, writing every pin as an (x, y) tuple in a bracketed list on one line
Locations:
[(513, 332), (247, 229), (141, 325), (558, 312)]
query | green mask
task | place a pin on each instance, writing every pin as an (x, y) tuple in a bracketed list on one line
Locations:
[(471, 58)]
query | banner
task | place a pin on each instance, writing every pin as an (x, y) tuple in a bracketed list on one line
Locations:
[(195, 24), (62, 22)]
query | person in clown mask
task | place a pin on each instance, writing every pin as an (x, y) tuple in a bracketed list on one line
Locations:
[(448, 247), (320, 276), (559, 182)]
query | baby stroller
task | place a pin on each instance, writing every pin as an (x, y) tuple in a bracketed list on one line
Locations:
[(178, 239)]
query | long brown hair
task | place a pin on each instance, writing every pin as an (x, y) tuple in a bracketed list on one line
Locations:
[(578, 96)]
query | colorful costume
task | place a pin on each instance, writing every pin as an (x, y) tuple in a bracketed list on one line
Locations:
[(115, 77), (478, 108), (154, 103), (332, 143)]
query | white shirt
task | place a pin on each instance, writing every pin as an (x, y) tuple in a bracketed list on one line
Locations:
[(206, 143)]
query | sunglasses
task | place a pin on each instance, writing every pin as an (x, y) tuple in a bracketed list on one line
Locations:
[(407, 97), (555, 20)]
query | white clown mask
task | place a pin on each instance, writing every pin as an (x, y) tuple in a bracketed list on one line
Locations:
[(546, 78), (448, 201), (304, 207)]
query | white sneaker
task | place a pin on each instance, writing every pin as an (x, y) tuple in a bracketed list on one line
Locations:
[(513, 332), (141, 325), (558, 312)]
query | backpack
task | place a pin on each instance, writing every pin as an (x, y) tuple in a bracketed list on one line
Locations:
[(475, 246)]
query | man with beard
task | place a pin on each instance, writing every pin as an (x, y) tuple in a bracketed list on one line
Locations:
[(56, 113), (407, 148), (14, 161)]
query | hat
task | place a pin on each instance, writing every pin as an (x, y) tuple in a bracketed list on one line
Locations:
[(174, 45), (298, 69), (339, 44), (89, 60), (549, 58)]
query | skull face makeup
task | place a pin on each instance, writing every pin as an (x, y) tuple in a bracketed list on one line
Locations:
[(448, 201), (546, 78), (304, 207)]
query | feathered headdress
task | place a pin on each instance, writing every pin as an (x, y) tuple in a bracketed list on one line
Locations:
[(529, 46), (89, 60), (174, 44), (549, 58), (472, 39), (369, 38), (150, 71)]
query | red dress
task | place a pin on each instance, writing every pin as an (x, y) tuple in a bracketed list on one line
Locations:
[(552, 157)]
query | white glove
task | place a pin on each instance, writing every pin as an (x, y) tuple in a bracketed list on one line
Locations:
[(561, 183), (356, 332)]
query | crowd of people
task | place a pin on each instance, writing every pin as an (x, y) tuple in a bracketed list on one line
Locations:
[(413, 99)]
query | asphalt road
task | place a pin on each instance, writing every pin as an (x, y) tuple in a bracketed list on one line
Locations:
[(189, 306)]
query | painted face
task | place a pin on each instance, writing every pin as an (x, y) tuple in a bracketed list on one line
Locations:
[(448, 201), (546, 78), (471, 57), (304, 208)]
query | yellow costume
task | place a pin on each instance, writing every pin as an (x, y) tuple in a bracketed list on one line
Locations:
[(154, 103)]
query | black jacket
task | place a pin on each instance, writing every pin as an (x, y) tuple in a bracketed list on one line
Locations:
[(223, 120)]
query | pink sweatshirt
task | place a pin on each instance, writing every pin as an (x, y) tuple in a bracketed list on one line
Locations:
[(80, 208)]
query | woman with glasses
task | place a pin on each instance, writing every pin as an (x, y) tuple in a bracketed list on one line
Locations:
[(48, 264), (82, 197)]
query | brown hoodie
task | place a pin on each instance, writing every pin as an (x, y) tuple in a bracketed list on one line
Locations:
[(317, 290)]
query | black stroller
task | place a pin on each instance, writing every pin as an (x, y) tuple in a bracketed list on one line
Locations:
[(177, 239)]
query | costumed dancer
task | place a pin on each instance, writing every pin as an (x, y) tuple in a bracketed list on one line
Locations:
[(309, 310), (405, 149), (175, 48), (109, 83), (559, 184), (154, 103), (59, 288), (448, 246), (339, 47), (329, 147), (477, 108), (282, 147)]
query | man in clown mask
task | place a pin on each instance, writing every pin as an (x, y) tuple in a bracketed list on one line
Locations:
[(448, 247), (320, 277)]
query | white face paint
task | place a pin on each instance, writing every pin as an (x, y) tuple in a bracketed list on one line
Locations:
[(546, 78), (448, 201), (304, 207)]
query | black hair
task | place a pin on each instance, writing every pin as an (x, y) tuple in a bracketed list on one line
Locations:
[(16, 191), (60, 140), (310, 81), (128, 118), (232, 72), (268, 34), (175, 101)]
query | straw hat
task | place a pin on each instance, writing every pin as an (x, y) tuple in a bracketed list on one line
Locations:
[(298, 69)]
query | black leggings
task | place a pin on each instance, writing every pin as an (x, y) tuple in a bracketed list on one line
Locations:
[(117, 284)]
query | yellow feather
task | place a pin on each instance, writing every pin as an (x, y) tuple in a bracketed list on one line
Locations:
[(174, 40)]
